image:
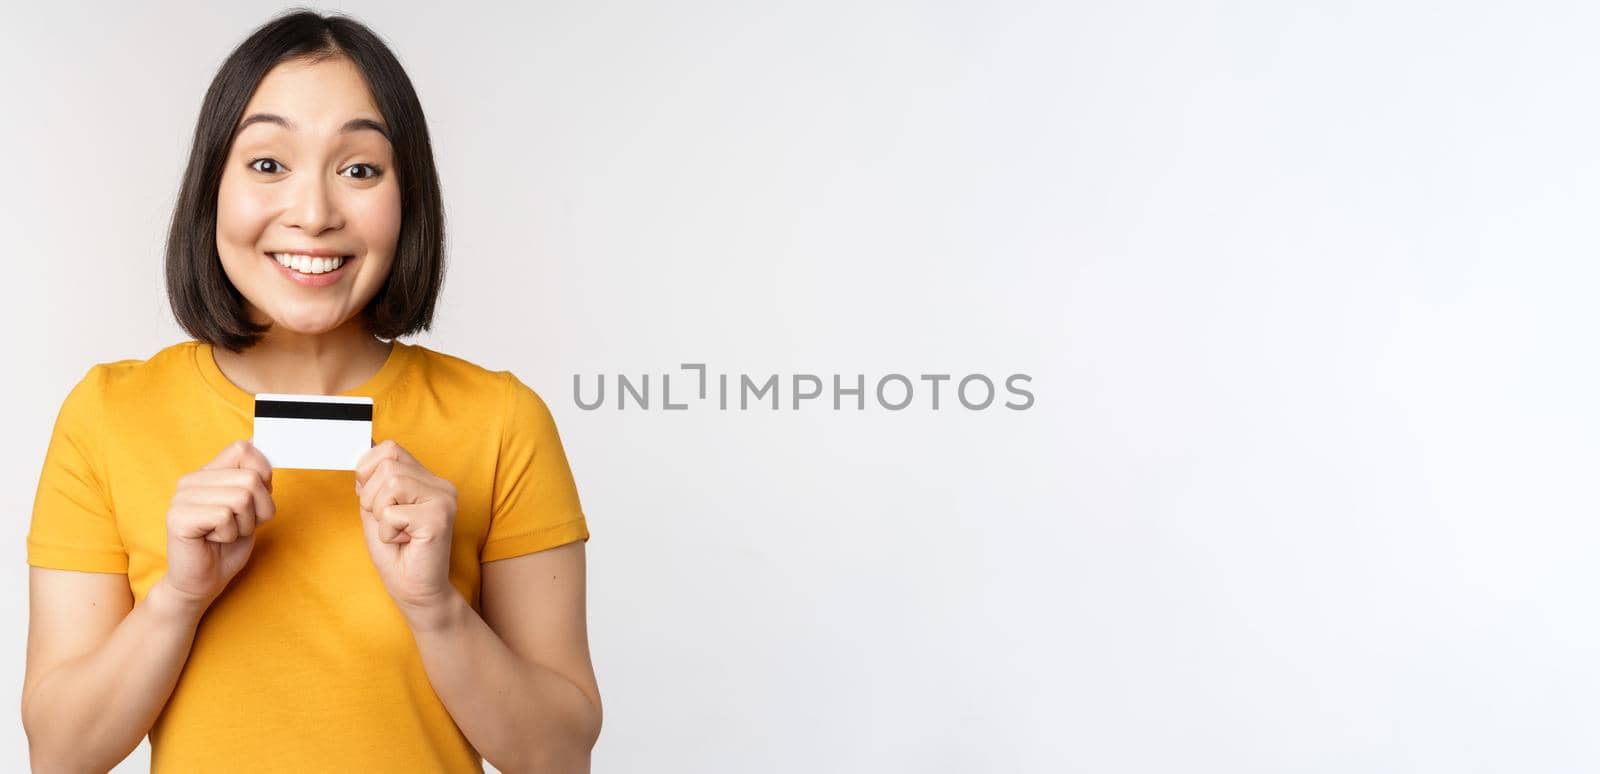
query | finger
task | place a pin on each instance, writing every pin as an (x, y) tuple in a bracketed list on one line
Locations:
[(391, 488), (233, 498), (424, 521), (244, 525), (195, 521), (253, 459), (223, 528), (229, 456), (372, 457), (390, 468), (393, 521), (366, 488), (243, 504), (232, 478), (388, 450), (259, 481)]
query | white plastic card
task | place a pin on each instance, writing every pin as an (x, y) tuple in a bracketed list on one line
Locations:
[(321, 432)]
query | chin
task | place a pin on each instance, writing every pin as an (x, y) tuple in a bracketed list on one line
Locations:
[(307, 326)]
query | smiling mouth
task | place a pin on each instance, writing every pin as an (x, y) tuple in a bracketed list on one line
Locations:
[(310, 266)]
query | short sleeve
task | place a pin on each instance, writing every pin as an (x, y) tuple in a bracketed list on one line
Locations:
[(74, 525), (535, 502)]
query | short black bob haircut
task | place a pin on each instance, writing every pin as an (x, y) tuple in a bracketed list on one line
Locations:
[(205, 302)]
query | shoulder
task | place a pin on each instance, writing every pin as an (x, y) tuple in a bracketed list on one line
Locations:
[(129, 378), (488, 389)]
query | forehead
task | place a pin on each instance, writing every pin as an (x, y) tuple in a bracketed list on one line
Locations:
[(315, 96)]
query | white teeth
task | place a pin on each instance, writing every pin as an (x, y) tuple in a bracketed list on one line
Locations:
[(306, 264)]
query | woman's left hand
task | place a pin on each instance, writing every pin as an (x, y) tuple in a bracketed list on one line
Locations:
[(408, 515)]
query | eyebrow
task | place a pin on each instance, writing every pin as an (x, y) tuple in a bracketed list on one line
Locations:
[(354, 124)]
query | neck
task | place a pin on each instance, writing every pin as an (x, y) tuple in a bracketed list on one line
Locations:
[(316, 364)]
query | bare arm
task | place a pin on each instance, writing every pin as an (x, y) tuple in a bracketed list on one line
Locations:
[(99, 668), (518, 680)]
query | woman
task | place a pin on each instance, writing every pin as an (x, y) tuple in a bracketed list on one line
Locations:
[(252, 619)]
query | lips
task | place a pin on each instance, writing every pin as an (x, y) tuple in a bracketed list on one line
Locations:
[(310, 275)]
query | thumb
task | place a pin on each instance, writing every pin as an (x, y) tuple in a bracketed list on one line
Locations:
[(370, 528), (230, 456)]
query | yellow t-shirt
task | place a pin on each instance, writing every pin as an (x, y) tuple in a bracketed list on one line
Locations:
[(303, 664)]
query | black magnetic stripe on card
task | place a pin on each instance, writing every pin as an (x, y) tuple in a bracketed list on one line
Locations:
[(293, 409)]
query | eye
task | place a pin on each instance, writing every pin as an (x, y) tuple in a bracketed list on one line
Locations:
[(276, 166), (371, 172)]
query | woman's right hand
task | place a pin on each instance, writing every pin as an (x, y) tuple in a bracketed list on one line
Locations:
[(212, 522)]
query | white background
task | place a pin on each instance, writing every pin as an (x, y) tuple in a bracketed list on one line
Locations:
[(1306, 294)]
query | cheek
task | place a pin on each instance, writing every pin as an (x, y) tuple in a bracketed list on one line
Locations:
[(242, 215), (378, 217)]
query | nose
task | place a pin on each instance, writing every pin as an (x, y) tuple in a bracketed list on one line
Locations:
[(312, 207)]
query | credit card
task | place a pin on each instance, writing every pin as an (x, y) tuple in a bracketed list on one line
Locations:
[(321, 432)]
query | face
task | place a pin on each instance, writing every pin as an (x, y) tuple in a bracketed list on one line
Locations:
[(310, 173)]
